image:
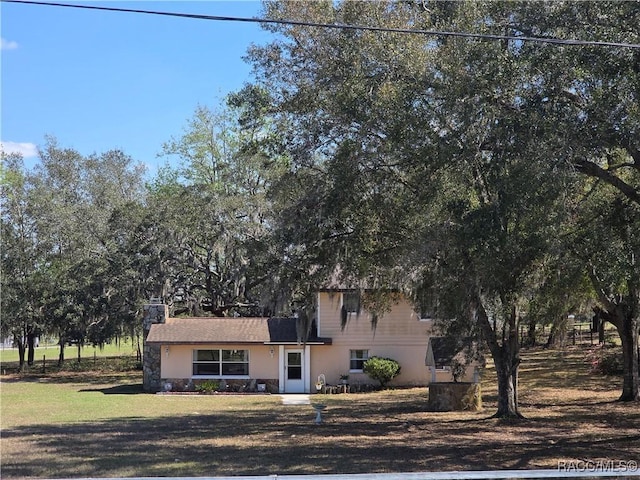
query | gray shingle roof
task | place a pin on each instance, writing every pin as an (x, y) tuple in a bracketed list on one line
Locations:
[(228, 330), (442, 350)]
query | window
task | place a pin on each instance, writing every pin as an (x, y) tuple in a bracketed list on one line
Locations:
[(428, 307), (426, 314), (294, 365), (358, 357), (225, 363), (206, 362), (427, 300), (351, 302)]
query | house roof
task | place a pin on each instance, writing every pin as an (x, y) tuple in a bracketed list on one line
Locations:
[(441, 351), (203, 330)]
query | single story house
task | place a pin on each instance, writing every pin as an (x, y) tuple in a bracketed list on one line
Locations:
[(269, 353)]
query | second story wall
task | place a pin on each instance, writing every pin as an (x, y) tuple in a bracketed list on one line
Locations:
[(400, 325)]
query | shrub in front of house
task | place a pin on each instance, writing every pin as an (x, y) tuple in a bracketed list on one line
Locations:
[(381, 369), (208, 386)]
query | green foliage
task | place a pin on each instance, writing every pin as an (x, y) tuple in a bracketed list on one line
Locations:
[(218, 216), (453, 201), (509, 179), (465, 200), (208, 386), (382, 370), (61, 273)]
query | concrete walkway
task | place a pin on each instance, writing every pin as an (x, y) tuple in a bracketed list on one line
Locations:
[(295, 399)]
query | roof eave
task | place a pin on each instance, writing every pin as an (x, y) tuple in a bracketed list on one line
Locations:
[(236, 342), (204, 342)]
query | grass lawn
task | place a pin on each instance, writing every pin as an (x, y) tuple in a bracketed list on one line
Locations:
[(99, 424), (50, 352)]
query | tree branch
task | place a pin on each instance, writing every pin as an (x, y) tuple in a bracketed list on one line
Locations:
[(602, 296), (593, 170), (634, 152)]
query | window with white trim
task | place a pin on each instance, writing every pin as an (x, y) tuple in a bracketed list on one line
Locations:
[(357, 359), (221, 363)]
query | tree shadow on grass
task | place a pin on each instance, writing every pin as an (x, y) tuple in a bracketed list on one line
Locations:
[(275, 439), (224, 444), (90, 378), (610, 449), (569, 404), (131, 389)]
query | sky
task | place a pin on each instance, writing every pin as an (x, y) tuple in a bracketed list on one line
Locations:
[(98, 81)]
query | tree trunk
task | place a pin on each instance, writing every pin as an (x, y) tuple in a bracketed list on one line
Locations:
[(138, 350), (506, 358), (18, 341), (557, 333), (623, 314), (628, 327), (507, 374), (531, 334), (628, 331), (61, 354), (597, 325), (31, 340)]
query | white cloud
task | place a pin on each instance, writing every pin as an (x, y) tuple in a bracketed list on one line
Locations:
[(8, 44), (28, 150)]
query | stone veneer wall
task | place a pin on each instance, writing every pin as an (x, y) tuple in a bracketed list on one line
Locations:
[(153, 313), (225, 385)]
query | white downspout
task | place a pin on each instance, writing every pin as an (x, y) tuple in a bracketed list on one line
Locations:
[(281, 372)]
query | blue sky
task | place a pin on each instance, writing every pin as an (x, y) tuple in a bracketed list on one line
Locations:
[(104, 80)]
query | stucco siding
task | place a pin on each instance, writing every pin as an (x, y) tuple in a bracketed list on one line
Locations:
[(334, 361), (178, 360), (399, 334), (399, 326)]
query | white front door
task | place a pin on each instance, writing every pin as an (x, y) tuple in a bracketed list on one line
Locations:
[(294, 371)]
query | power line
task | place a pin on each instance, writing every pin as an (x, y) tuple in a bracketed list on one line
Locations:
[(341, 26)]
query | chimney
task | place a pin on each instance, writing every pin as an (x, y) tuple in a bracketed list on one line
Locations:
[(154, 312)]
